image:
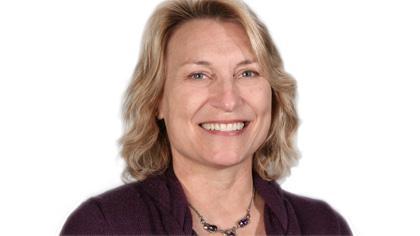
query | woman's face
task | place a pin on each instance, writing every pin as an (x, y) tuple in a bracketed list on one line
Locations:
[(216, 101)]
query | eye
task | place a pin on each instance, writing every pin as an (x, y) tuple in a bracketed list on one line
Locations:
[(197, 76), (249, 74)]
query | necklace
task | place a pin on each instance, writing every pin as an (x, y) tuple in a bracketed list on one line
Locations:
[(244, 221)]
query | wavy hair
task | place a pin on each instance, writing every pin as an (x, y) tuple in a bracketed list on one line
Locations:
[(145, 146)]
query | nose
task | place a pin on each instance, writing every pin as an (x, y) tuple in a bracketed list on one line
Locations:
[(225, 95)]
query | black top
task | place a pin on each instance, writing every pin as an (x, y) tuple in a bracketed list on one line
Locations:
[(158, 205)]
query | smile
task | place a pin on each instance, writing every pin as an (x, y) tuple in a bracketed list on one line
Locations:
[(224, 127)]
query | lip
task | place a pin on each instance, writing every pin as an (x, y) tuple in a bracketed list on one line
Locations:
[(225, 121), (226, 133)]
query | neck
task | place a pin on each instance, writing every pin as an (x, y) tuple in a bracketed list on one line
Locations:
[(221, 195)]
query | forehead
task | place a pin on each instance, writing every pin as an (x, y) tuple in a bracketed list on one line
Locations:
[(207, 37)]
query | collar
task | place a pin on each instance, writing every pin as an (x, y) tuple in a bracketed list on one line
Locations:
[(166, 190), (275, 211)]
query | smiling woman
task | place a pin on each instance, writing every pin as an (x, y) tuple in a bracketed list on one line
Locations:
[(222, 97), (210, 123)]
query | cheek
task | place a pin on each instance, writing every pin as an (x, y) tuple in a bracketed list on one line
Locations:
[(266, 103), (184, 102), (264, 111), (260, 98), (183, 105)]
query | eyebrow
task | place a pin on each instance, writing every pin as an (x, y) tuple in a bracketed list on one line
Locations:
[(206, 63), (246, 62)]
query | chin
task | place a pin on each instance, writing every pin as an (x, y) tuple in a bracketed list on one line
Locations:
[(223, 160)]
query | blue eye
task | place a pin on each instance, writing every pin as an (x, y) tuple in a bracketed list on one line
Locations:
[(249, 74), (197, 76)]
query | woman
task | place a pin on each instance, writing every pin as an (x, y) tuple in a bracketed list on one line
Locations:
[(210, 120)]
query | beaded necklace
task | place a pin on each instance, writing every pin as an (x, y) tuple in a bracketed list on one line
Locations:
[(212, 228)]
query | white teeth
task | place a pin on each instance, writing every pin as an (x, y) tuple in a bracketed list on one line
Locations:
[(223, 127)]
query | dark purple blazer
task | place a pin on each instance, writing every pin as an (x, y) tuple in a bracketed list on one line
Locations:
[(158, 206)]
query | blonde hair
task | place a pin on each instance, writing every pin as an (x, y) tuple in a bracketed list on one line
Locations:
[(145, 144)]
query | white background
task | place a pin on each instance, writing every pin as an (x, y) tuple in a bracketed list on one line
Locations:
[(64, 66)]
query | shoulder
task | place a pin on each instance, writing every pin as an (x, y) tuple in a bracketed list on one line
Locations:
[(113, 208), (316, 216)]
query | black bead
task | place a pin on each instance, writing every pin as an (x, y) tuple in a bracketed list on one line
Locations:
[(209, 227), (243, 222), (229, 233)]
